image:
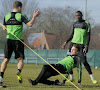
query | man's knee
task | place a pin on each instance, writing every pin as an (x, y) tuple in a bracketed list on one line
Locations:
[(20, 59), (6, 60), (46, 66)]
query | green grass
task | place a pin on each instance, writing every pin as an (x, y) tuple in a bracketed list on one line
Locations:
[(31, 71)]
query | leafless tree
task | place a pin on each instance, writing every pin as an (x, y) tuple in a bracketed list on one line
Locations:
[(7, 6)]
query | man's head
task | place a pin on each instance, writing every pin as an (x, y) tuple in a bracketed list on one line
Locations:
[(78, 15), (18, 6), (75, 49)]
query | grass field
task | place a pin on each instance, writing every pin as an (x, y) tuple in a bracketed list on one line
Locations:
[(31, 71)]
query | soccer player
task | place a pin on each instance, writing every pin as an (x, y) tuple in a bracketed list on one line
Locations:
[(63, 66), (14, 23), (81, 36)]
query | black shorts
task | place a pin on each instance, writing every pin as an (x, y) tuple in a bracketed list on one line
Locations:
[(16, 46)]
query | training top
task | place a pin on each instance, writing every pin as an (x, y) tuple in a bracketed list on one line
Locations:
[(71, 62), (14, 23), (81, 33)]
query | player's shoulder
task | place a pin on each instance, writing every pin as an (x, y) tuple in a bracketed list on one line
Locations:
[(8, 14), (75, 21), (23, 14), (19, 13), (76, 57), (87, 22)]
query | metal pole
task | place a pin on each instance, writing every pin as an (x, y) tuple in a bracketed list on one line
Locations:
[(85, 10)]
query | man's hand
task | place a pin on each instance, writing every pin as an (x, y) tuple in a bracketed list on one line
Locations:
[(63, 46), (84, 50), (35, 14), (79, 85), (31, 22)]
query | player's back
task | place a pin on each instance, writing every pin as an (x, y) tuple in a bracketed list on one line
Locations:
[(13, 22)]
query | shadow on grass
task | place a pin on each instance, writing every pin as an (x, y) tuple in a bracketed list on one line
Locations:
[(40, 86), (54, 86), (92, 86)]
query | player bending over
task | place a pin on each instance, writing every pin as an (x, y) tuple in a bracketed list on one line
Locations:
[(63, 66)]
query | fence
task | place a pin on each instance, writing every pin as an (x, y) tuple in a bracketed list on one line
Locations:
[(53, 56)]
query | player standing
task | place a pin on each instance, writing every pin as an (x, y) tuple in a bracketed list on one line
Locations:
[(81, 36), (14, 23)]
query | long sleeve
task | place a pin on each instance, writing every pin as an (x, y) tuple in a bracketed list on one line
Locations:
[(88, 35), (4, 23), (79, 69)]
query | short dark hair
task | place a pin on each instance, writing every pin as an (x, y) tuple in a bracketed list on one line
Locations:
[(77, 46), (17, 4), (79, 12)]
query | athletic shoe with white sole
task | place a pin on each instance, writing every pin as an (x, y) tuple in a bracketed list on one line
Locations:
[(58, 83), (94, 81), (32, 82), (1, 81)]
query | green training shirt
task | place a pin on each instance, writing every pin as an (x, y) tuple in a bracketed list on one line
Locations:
[(14, 23), (70, 62), (80, 32)]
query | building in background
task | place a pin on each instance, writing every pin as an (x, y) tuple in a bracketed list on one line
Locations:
[(42, 40)]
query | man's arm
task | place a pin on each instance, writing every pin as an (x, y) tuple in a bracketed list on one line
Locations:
[(66, 75), (70, 38), (28, 22), (79, 69), (88, 27), (4, 24), (31, 22)]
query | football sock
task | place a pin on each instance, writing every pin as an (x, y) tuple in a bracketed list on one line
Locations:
[(19, 70), (71, 76), (92, 77), (2, 74)]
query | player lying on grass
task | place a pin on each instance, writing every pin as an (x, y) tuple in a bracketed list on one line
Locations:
[(63, 66)]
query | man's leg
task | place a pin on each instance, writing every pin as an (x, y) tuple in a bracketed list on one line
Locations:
[(20, 67), (69, 53), (87, 66), (7, 52), (20, 64), (45, 73), (19, 55), (4, 66)]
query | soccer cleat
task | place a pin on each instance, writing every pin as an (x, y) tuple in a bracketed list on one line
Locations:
[(32, 82), (70, 80), (58, 83), (94, 81), (1, 81), (19, 77)]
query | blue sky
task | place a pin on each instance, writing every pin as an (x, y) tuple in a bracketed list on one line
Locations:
[(93, 6)]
